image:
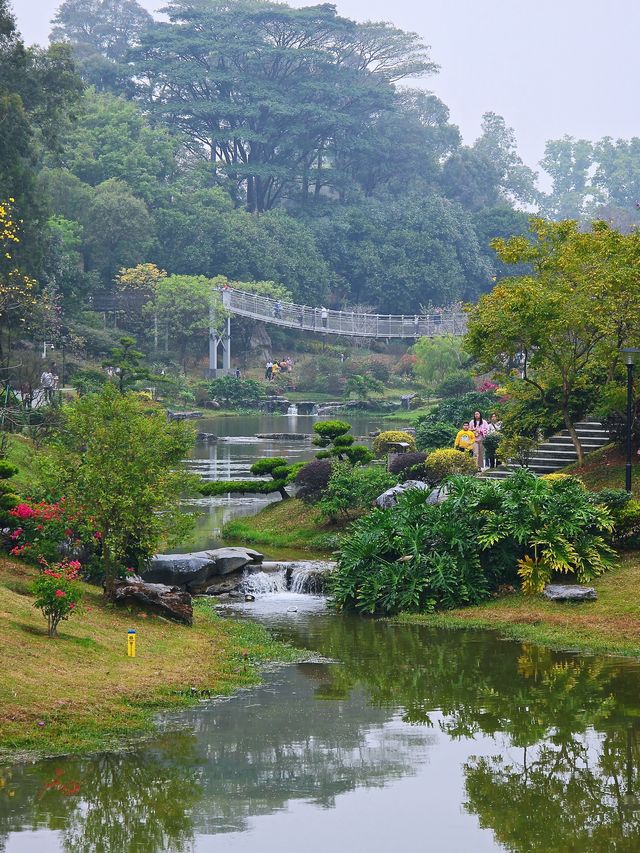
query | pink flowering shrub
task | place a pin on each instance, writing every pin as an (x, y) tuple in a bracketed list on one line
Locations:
[(485, 385), (57, 592), (47, 530)]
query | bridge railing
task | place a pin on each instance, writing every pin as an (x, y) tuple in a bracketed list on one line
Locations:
[(348, 323)]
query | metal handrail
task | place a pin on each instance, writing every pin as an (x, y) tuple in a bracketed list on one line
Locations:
[(349, 323)]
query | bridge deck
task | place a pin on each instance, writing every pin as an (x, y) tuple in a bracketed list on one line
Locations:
[(347, 323)]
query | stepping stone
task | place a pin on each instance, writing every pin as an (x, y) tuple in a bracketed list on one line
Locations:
[(569, 592)]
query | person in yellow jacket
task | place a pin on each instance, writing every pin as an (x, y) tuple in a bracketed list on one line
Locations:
[(465, 439)]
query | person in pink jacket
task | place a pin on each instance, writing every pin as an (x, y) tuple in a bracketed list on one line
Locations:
[(480, 428)]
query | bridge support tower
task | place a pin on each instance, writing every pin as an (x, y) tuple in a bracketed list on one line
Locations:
[(219, 342)]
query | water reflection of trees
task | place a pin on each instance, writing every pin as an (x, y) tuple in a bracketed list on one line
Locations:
[(108, 802), (565, 773)]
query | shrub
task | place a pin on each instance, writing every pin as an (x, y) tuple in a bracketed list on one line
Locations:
[(418, 556), (44, 531), (378, 368), (383, 441), (237, 393), (327, 432), (312, 480), (57, 593), (456, 410), (626, 520), (516, 448), (8, 500), (405, 365), (613, 499), (89, 381), (446, 462), (432, 435), (353, 489), (408, 466), (456, 384)]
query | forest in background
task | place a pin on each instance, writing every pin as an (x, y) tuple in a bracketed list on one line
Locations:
[(260, 142)]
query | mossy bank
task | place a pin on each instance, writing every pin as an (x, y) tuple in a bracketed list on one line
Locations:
[(286, 524), (81, 693)]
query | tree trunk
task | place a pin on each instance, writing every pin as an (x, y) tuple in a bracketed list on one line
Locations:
[(284, 494), (109, 574), (568, 422)]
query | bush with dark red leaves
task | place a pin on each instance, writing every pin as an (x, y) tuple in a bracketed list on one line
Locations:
[(408, 466), (312, 480)]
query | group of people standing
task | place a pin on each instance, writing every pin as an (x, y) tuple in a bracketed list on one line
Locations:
[(470, 439), (274, 368)]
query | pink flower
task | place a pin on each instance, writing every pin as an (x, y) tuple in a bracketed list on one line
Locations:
[(60, 593), (68, 532), (98, 535), (75, 565), (16, 533), (23, 511)]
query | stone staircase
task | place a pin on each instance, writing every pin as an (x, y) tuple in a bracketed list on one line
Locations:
[(558, 451)]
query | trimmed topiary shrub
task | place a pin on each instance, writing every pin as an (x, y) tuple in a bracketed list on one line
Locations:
[(447, 462), (382, 442), (312, 480)]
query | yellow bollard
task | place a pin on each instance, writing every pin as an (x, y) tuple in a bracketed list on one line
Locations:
[(131, 643)]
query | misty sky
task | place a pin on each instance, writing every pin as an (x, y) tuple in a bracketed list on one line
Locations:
[(550, 67)]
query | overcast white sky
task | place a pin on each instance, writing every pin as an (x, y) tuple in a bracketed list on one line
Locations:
[(550, 67)]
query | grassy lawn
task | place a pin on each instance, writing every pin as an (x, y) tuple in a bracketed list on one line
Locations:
[(81, 692), (286, 524), (610, 625), (604, 469)]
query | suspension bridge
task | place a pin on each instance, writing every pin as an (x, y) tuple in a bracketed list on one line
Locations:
[(324, 321)]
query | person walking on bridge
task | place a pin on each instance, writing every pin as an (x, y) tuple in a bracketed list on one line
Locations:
[(324, 316)]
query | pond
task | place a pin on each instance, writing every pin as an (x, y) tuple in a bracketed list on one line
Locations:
[(232, 455), (392, 735)]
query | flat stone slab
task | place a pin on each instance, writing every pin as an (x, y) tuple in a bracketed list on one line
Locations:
[(569, 592), (284, 436)]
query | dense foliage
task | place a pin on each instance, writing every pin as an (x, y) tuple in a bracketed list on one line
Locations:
[(418, 556), (353, 489), (119, 462)]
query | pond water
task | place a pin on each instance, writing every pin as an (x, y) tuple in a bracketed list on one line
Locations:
[(233, 454), (395, 736)]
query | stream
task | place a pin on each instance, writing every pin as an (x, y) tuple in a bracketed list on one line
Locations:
[(391, 735)]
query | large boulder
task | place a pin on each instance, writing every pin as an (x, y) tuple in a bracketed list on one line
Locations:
[(180, 569), (168, 601), (233, 559), (390, 498), (569, 592), (193, 571)]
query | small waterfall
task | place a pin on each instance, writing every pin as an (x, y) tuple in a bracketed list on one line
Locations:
[(292, 411), (261, 583), (307, 581)]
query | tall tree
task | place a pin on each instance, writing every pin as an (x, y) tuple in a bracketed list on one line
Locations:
[(101, 33), (258, 89), (568, 161), (567, 320)]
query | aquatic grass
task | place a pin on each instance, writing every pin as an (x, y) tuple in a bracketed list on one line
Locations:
[(81, 693), (610, 625)]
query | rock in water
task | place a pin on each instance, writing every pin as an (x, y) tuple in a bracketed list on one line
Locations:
[(168, 601), (196, 569), (180, 569), (569, 592)]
